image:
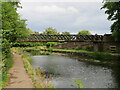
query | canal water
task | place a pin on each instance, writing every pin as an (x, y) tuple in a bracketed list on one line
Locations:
[(64, 70)]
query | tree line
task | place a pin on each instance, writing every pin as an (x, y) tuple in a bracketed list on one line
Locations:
[(53, 31)]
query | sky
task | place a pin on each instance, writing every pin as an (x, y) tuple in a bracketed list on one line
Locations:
[(65, 15)]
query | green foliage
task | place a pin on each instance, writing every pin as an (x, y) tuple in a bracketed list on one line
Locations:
[(50, 49), (51, 31), (36, 52), (28, 44), (12, 28), (78, 83), (113, 11), (51, 44), (65, 33), (84, 32), (116, 35), (101, 56), (31, 32), (89, 48)]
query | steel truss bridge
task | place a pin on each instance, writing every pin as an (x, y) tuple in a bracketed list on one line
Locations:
[(61, 38)]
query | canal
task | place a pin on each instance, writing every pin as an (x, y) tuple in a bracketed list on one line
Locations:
[(64, 70)]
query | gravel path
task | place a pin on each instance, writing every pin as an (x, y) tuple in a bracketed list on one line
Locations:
[(19, 78)]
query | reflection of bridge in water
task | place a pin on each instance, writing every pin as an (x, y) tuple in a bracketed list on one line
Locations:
[(62, 38)]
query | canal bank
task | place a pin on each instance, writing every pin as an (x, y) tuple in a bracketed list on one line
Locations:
[(102, 58)]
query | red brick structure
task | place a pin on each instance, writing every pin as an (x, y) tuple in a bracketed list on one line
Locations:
[(74, 45), (108, 44)]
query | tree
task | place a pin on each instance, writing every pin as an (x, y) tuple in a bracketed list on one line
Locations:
[(31, 32), (12, 26), (84, 32), (113, 11), (51, 31), (65, 33)]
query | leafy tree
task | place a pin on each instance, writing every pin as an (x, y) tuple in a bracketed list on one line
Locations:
[(12, 26), (65, 33), (84, 32), (31, 32), (51, 31), (113, 11), (36, 32)]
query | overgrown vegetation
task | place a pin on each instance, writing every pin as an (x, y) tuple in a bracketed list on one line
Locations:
[(50, 44), (101, 56), (28, 44)]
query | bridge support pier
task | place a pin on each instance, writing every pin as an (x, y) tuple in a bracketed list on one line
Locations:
[(98, 47), (106, 47)]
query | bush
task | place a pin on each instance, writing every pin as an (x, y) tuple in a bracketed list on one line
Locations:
[(26, 44), (51, 44), (101, 56), (6, 62), (89, 48), (50, 49)]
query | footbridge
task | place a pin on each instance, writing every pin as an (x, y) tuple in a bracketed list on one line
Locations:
[(61, 38), (100, 42)]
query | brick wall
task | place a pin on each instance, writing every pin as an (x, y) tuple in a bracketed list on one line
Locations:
[(74, 45)]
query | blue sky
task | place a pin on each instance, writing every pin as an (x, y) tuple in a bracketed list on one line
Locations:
[(71, 16)]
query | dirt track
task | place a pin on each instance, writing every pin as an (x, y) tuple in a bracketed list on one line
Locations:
[(19, 78)]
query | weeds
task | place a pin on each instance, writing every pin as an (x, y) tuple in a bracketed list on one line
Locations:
[(78, 83), (101, 56)]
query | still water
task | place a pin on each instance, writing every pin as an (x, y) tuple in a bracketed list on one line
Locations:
[(64, 70)]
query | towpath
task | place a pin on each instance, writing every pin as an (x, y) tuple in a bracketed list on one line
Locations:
[(19, 78)]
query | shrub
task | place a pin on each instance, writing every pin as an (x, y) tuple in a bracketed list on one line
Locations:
[(89, 48), (51, 44), (101, 56)]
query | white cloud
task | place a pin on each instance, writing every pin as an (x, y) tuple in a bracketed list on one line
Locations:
[(55, 9), (70, 17), (46, 11)]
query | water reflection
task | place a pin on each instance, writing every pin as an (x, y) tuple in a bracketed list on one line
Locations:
[(64, 70)]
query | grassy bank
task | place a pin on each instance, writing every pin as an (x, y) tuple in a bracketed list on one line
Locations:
[(37, 75), (104, 58), (5, 64)]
